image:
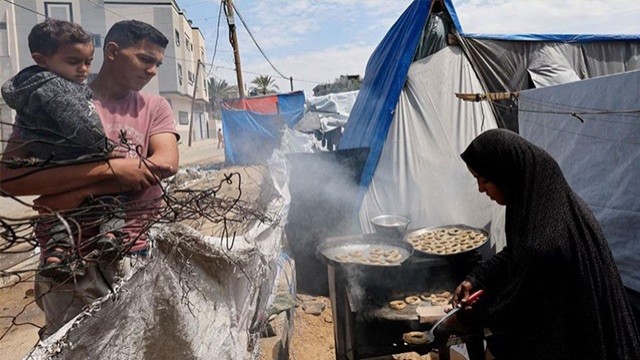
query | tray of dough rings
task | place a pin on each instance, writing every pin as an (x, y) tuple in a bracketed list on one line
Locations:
[(364, 250), (447, 240)]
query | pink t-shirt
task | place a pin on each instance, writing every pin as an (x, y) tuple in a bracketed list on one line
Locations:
[(132, 121)]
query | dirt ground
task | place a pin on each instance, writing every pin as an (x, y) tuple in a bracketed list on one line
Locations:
[(20, 320)]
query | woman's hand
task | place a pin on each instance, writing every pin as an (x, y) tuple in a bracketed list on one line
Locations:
[(461, 294)]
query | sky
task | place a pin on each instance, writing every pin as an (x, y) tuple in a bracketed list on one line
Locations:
[(316, 41)]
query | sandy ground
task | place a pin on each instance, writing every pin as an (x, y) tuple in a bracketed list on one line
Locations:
[(20, 317)]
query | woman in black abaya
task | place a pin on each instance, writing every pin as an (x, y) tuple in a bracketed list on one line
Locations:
[(554, 291)]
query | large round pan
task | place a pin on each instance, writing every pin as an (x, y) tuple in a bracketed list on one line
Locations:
[(455, 242), (357, 250)]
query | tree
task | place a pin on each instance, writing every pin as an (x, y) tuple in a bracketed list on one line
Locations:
[(218, 90), (264, 84)]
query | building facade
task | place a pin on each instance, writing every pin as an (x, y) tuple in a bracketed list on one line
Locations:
[(181, 72)]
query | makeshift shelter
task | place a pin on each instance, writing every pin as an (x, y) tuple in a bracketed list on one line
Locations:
[(326, 115), (415, 128), (252, 127), (592, 128)]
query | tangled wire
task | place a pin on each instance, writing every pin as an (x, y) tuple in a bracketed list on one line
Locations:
[(82, 228)]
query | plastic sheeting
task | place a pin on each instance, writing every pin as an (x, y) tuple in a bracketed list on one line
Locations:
[(252, 127), (420, 173), (327, 112), (195, 299), (386, 74), (600, 157)]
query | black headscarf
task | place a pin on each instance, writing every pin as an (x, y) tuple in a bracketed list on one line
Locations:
[(554, 291)]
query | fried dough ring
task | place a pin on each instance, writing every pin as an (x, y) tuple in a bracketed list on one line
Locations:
[(412, 300), (415, 338), (397, 304)]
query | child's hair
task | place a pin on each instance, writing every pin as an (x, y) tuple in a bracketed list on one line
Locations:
[(48, 36), (129, 32)]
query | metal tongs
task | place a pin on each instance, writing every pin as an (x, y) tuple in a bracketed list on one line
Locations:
[(470, 301)]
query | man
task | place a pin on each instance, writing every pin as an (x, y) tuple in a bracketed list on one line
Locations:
[(144, 127)]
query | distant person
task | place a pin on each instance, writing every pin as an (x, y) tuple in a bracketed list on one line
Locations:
[(554, 291), (143, 128), (57, 124), (220, 139)]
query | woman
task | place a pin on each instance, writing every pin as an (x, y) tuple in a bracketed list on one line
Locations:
[(554, 291)]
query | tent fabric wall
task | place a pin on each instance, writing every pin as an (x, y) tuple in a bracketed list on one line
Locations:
[(600, 157), (386, 74), (291, 107), (420, 173)]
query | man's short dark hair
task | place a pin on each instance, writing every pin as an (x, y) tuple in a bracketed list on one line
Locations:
[(129, 32), (48, 36)]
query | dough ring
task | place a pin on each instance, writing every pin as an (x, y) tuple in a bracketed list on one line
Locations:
[(394, 259), (376, 251), (342, 257), (412, 300), (439, 302), (391, 253), (397, 304), (355, 253), (425, 296), (415, 338)]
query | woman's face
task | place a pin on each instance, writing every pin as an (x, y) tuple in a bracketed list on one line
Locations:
[(492, 190)]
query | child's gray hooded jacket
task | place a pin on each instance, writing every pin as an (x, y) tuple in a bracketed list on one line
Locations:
[(56, 119)]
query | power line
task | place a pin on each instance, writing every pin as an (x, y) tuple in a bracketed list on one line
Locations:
[(25, 8), (255, 42), (215, 47)]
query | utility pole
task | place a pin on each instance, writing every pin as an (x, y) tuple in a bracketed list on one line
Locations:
[(233, 38)]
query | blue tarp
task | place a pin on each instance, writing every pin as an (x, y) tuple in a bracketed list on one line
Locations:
[(291, 107), (251, 137), (385, 76)]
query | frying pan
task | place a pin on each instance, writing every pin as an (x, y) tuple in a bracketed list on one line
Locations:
[(328, 249)]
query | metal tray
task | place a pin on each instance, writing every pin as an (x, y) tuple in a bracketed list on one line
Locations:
[(331, 247), (434, 228)]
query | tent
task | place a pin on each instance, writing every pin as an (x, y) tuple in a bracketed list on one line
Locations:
[(407, 114), (592, 129), (252, 127)]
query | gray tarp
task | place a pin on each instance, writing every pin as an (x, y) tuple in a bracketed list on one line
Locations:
[(600, 157), (519, 65)]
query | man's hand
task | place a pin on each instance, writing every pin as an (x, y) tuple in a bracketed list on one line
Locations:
[(134, 174)]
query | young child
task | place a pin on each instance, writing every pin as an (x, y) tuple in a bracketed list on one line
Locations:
[(57, 124)]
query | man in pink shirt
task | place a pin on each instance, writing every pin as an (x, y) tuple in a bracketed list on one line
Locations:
[(144, 127)]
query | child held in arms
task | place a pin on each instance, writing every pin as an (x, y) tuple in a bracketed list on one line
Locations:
[(57, 124)]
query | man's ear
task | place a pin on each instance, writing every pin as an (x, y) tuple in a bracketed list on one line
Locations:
[(111, 50), (39, 58)]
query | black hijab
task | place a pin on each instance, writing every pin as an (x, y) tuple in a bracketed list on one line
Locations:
[(554, 291)]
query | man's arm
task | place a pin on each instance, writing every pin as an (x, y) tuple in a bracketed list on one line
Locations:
[(163, 154), (33, 181), (163, 160)]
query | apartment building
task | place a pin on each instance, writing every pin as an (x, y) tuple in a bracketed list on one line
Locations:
[(177, 76)]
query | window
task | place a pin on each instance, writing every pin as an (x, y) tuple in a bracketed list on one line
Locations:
[(177, 33), (183, 118), (202, 53), (179, 74), (187, 42), (191, 77), (58, 10)]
